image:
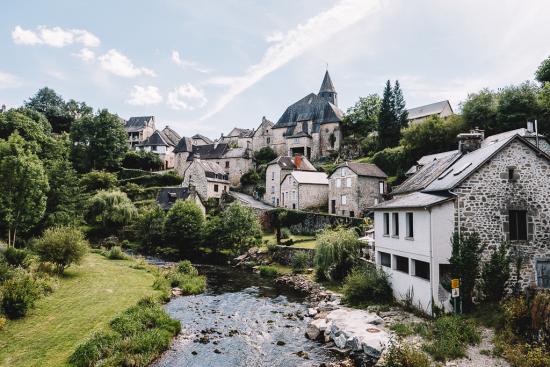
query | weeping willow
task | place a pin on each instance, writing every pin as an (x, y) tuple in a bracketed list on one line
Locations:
[(336, 253)]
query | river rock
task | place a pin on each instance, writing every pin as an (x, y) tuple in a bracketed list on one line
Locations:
[(316, 328), (340, 340), (311, 312)]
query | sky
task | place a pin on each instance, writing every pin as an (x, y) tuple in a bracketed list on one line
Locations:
[(207, 66)]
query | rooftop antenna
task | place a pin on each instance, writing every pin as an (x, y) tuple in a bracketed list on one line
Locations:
[(327, 66)]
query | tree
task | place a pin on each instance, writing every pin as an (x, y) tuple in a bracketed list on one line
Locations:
[(388, 124), (496, 273), (33, 132), (480, 110), (264, 155), (543, 72), (251, 177), (63, 196), (183, 227), (52, 105), (24, 185), (98, 180), (465, 265), (61, 246), (544, 109), (241, 227), (362, 118), (99, 142), (150, 228), (516, 106), (336, 254), (110, 209), (147, 161), (399, 106)]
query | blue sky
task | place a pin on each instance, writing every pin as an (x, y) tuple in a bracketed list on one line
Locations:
[(206, 66)]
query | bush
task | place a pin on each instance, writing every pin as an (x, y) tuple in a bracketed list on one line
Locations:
[(251, 177), (184, 226), (110, 210), (366, 285), (147, 161), (239, 229), (450, 335), (61, 246), (495, 274), (18, 295), (185, 267), (154, 180), (188, 283), (2, 322), (98, 180), (402, 355), (285, 233), (264, 155), (116, 253), (336, 253), (17, 257), (268, 271), (300, 261)]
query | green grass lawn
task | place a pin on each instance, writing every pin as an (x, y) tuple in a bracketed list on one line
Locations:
[(88, 297), (305, 241)]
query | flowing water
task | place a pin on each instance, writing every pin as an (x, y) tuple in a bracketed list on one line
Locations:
[(241, 320)]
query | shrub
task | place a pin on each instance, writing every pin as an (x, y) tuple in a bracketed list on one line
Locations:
[(110, 209), (495, 274), (239, 228), (61, 246), (285, 233), (116, 253), (17, 257), (98, 180), (185, 267), (402, 355), (150, 228), (2, 322), (184, 225), (154, 180), (336, 253), (264, 155), (142, 160), (89, 353), (188, 283), (18, 295), (450, 336), (366, 285), (527, 355), (5, 271), (300, 261), (268, 271), (251, 177)]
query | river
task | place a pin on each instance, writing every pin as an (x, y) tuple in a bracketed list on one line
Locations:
[(241, 320)]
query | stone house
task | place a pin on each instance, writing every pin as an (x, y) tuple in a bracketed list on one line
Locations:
[(168, 195), (161, 143), (139, 129), (238, 138), (263, 135), (234, 161), (276, 170), (497, 187), (441, 109), (354, 187), (311, 126), (208, 178), (304, 190), (199, 139)]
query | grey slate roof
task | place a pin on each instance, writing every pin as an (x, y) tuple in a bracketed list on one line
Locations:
[(364, 169), (173, 136), (327, 85), (286, 162), (138, 123), (427, 159), (184, 145), (157, 138), (202, 137), (168, 196), (413, 200), (237, 153), (311, 107), (427, 110), (241, 133), (209, 151)]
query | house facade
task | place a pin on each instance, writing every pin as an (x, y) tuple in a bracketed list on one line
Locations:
[(303, 190), (276, 170), (139, 129), (263, 135), (495, 187), (238, 138), (208, 178), (441, 109), (161, 143), (354, 187)]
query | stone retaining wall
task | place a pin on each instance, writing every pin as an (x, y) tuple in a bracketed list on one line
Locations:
[(284, 254)]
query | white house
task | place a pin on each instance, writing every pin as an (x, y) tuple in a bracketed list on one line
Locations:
[(276, 170), (161, 143)]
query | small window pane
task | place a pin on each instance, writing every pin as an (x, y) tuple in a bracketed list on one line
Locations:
[(386, 223), (395, 224), (543, 274), (518, 225), (385, 259), (410, 225), (348, 182), (402, 264), (422, 269)]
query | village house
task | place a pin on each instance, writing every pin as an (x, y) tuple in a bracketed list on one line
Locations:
[(441, 109), (304, 190), (199, 139), (497, 187), (238, 138), (161, 143), (262, 135), (276, 170), (139, 129), (208, 178), (311, 126), (168, 196), (354, 187), (234, 161)]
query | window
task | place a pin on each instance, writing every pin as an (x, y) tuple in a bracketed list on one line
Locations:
[(226, 164), (343, 212), (172, 197), (273, 200), (410, 225), (215, 188), (395, 224), (272, 189), (268, 140), (154, 148), (293, 206), (344, 171), (421, 269), (338, 182), (543, 273), (273, 175), (348, 182), (293, 195), (401, 264), (381, 187), (511, 173), (296, 140), (386, 224), (385, 259), (518, 225), (352, 213), (344, 199)]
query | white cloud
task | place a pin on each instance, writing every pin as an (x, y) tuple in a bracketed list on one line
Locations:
[(176, 58), (276, 36), (85, 55), (144, 96), (9, 81), (186, 97), (55, 37), (119, 64), (294, 43)]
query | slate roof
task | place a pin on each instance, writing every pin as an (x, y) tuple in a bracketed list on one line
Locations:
[(202, 137), (211, 167), (184, 145), (364, 169), (413, 200), (427, 110), (311, 107), (286, 162), (427, 159), (237, 153), (310, 177), (209, 151), (327, 85), (240, 133), (173, 136), (157, 138), (138, 123), (168, 195)]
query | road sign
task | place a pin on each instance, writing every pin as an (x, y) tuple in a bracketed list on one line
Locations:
[(455, 283), (455, 293)]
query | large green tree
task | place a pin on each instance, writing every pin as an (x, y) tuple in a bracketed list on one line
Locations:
[(24, 185), (480, 110), (389, 131), (110, 210), (99, 142), (362, 118), (517, 104), (543, 72), (184, 226), (399, 106), (52, 105), (240, 228)]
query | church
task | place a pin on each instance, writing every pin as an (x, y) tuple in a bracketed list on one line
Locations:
[(309, 127)]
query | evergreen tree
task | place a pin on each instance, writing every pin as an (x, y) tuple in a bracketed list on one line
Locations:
[(399, 106), (388, 126)]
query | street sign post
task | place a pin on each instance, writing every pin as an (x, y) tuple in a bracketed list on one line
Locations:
[(455, 293)]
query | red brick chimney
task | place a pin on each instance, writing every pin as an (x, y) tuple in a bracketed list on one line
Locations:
[(298, 161)]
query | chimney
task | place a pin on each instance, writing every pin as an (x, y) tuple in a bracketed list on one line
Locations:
[(298, 161), (468, 142)]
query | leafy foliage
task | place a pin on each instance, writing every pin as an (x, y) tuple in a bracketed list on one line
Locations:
[(150, 228), (116, 253), (98, 180), (18, 295), (240, 230), (336, 253), (61, 246), (264, 155), (185, 267), (268, 271), (147, 161), (251, 177), (184, 226), (367, 284), (403, 355), (449, 337), (300, 261), (496, 273), (543, 72), (110, 209), (17, 257)]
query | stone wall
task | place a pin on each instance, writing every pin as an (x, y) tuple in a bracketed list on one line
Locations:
[(485, 198), (309, 223), (181, 162), (362, 194), (285, 254), (312, 196)]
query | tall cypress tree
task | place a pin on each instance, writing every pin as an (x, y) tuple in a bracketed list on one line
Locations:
[(388, 126), (399, 106)]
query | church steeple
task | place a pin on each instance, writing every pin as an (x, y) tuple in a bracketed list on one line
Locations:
[(327, 90)]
